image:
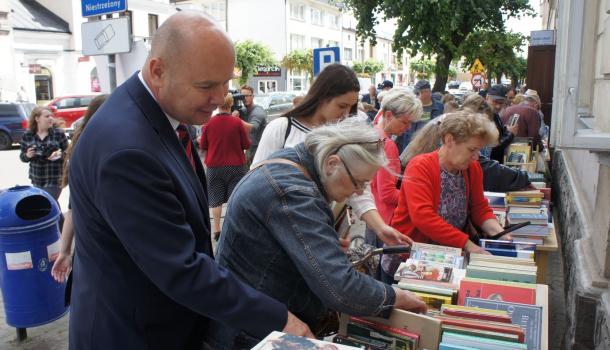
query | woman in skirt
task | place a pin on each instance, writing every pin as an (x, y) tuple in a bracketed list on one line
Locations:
[(224, 140)]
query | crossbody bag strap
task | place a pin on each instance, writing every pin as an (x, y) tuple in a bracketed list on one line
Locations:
[(283, 161)]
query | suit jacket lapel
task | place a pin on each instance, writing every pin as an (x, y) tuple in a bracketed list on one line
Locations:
[(167, 135)]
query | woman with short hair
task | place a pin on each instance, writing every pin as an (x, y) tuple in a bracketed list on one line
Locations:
[(278, 235), (443, 190)]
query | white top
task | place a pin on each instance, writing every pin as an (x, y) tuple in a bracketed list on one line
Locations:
[(272, 140)]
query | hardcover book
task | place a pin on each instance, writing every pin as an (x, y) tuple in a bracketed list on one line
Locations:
[(424, 270), (529, 317), (496, 290)]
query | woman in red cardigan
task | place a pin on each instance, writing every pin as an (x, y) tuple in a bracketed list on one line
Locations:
[(441, 190)]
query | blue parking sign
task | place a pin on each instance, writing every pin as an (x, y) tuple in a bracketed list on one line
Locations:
[(102, 7), (324, 57)]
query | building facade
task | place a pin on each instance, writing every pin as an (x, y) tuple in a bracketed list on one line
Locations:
[(581, 164)]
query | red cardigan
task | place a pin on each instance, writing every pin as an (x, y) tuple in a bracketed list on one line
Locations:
[(225, 139), (417, 213), (383, 185)]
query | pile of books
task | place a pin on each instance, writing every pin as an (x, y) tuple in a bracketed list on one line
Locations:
[(500, 267), (489, 284), (479, 328), (432, 272), (528, 206)]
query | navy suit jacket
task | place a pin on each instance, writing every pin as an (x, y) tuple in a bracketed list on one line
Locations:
[(144, 274), (367, 99)]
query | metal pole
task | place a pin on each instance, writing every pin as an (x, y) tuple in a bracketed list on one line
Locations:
[(112, 71), (22, 334)]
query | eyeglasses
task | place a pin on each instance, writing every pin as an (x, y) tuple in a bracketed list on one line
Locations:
[(358, 185), (247, 95), (380, 144)]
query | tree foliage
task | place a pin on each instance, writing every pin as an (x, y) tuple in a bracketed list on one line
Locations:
[(250, 54), (496, 50), (299, 61), (368, 68), (424, 69), (435, 27)]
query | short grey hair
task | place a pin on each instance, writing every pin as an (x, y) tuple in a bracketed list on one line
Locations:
[(399, 102), (352, 140)]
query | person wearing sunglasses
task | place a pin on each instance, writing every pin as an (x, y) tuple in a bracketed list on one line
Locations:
[(278, 234)]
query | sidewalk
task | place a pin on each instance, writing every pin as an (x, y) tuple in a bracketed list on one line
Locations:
[(54, 336)]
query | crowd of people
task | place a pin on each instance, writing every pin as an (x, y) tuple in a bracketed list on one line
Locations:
[(412, 165)]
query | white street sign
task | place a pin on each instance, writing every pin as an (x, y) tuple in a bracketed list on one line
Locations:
[(106, 37)]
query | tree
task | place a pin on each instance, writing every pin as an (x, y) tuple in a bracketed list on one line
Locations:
[(299, 61), (518, 71), (496, 50), (250, 54), (423, 68), (436, 27), (368, 68)]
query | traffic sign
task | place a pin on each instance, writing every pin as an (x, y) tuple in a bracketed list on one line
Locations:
[(324, 57), (477, 80), (477, 67), (101, 7), (106, 37)]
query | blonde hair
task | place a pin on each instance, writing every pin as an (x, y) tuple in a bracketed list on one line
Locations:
[(226, 105), (400, 102), (518, 99), (462, 125)]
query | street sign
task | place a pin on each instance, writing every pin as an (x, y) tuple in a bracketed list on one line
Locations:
[(101, 7), (542, 37), (324, 57), (477, 80), (477, 67), (106, 37)]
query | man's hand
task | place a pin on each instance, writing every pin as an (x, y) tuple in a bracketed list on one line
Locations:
[(392, 236), (295, 326), (407, 300), (513, 129), (62, 267)]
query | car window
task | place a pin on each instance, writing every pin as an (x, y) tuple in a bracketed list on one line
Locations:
[(70, 102), (8, 110), (84, 101)]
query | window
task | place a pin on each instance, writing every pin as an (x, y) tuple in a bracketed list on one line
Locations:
[(317, 43), (84, 101), (216, 10), (332, 43), (296, 83), (297, 42), (267, 86), (360, 54), (333, 21), (297, 11), (317, 17), (8, 110), (347, 52), (70, 102), (153, 24)]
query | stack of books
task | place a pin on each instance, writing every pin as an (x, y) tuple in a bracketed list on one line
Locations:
[(528, 206), (480, 328), (363, 333), (497, 202), (513, 249), (502, 268), (432, 272)]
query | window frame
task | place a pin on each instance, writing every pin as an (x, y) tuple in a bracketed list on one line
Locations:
[(572, 127), (300, 11)]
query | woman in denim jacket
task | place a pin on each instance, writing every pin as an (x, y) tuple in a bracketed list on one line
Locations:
[(278, 234)]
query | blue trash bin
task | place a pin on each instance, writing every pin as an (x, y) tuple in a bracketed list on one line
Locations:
[(29, 244)]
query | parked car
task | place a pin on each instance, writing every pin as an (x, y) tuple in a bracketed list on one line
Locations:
[(13, 122), (276, 103), (70, 108)]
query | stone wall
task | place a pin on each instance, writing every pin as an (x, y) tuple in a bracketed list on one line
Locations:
[(587, 294)]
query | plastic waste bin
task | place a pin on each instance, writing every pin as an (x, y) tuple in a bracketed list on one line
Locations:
[(29, 243)]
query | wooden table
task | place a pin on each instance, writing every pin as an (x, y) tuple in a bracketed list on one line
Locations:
[(542, 254), (542, 299)]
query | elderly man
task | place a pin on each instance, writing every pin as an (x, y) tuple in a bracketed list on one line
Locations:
[(525, 116), (496, 96), (371, 98), (144, 274)]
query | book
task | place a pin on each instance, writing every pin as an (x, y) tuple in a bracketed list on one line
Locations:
[(437, 253), (540, 218), (500, 214), (501, 274), (434, 301), (478, 332), (506, 266), (525, 194), (529, 317), (445, 346), (510, 252), (424, 270), (369, 332), (473, 342), (496, 199), (532, 230), (475, 313), (496, 290), (484, 325), (279, 340), (500, 244), (425, 288), (528, 240), (502, 259), (343, 340)]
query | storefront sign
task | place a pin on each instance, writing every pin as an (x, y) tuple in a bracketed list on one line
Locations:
[(268, 71)]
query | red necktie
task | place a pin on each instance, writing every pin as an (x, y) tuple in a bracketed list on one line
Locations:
[(185, 139)]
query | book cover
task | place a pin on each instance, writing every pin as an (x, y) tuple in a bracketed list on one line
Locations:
[(501, 274), (476, 316), (529, 317), (496, 199), (483, 325), (478, 332), (375, 337), (480, 342), (434, 301), (496, 291), (498, 244), (409, 337), (509, 252), (502, 259), (279, 340), (343, 340), (532, 230), (424, 270), (437, 253)]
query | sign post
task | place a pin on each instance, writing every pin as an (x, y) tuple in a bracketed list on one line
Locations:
[(323, 57)]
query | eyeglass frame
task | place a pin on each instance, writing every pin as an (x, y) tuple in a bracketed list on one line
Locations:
[(380, 144)]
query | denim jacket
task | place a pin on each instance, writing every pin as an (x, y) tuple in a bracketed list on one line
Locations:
[(278, 237)]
